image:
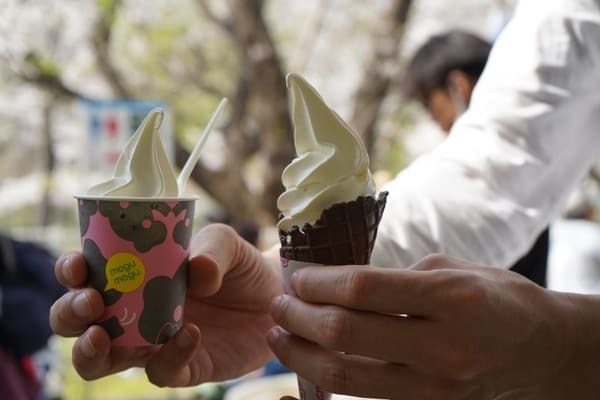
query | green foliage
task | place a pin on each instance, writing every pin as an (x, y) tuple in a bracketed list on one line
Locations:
[(48, 68), (42, 66), (106, 5), (180, 58), (395, 158)]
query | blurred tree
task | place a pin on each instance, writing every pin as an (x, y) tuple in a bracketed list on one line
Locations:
[(192, 69), (380, 72)]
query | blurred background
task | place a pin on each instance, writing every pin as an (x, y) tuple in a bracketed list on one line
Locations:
[(77, 76)]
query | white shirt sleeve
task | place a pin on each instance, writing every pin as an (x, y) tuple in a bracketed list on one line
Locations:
[(530, 134)]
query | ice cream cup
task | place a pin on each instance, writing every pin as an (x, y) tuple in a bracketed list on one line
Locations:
[(137, 251)]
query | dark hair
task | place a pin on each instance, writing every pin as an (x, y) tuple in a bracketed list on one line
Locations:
[(433, 61)]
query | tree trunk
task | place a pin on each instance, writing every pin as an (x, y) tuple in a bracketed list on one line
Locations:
[(266, 107), (46, 215), (378, 75), (260, 125)]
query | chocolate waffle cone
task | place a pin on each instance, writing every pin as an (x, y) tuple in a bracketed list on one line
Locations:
[(345, 233)]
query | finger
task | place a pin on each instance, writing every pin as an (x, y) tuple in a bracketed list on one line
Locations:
[(71, 270), (399, 339), (90, 353), (94, 357), (73, 313), (172, 366), (221, 255), (349, 374), (384, 290), (214, 249)]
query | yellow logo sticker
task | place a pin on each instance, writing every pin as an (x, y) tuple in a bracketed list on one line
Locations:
[(125, 272)]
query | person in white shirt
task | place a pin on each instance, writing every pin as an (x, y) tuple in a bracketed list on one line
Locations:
[(441, 76), (433, 327)]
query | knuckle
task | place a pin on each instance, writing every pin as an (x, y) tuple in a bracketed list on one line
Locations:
[(458, 362), (224, 231), (464, 292), (223, 234), (468, 293), (431, 262), (335, 328)]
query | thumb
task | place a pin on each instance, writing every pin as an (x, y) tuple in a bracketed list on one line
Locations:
[(212, 254)]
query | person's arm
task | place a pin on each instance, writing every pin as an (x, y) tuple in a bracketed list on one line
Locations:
[(441, 329), (529, 135)]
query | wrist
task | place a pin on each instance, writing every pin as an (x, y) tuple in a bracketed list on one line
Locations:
[(577, 376)]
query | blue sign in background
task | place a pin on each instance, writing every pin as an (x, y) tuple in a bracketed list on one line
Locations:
[(110, 124)]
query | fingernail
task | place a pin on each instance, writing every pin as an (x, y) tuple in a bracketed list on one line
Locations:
[(81, 305), (274, 334), (87, 348), (276, 304), (183, 339), (66, 272)]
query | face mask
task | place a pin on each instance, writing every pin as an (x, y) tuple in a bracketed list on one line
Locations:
[(460, 105)]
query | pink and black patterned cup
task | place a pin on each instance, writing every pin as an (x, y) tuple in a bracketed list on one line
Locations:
[(137, 251)]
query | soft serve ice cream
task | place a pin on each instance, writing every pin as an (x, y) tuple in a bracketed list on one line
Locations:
[(329, 211), (332, 164), (143, 169)]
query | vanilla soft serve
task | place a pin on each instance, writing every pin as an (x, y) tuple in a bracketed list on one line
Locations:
[(143, 169), (332, 164)]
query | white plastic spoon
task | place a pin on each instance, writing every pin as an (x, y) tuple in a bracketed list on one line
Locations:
[(195, 154)]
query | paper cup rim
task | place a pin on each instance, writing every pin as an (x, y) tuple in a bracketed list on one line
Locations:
[(83, 196)]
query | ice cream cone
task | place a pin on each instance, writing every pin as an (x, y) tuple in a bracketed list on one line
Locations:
[(329, 210), (344, 234)]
